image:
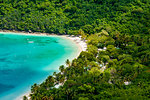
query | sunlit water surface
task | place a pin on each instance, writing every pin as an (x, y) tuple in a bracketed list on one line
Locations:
[(28, 59)]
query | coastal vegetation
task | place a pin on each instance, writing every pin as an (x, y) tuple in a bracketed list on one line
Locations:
[(119, 72), (116, 64)]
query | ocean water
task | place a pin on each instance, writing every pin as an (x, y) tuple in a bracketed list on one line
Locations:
[(28, 59)]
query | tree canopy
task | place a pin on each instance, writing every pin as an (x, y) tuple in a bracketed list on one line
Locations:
[(117, 33)]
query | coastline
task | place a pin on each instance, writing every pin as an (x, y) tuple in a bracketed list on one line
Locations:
[(76, 39), (81, 44)]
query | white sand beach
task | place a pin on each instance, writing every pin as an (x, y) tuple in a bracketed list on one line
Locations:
[(77, 39), (80, 43)]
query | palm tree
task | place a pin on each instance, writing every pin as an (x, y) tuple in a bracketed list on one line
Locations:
[(61, 68), (54, 74), (74, 63), (68, 62), (25, 98)]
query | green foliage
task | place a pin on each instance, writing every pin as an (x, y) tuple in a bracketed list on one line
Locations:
[(65, 17), (118, 36)]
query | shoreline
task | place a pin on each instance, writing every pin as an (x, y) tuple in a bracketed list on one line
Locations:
[(76, 39), (81, 44)]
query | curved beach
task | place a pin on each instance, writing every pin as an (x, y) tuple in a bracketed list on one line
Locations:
[(77, 40)]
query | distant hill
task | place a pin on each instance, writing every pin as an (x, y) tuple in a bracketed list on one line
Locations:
[(67, 16)]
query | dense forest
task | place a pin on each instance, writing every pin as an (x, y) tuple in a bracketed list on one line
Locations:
[(68, 16), (116, 64)]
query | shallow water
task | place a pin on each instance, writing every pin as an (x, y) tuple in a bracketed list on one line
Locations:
[(27, 59)]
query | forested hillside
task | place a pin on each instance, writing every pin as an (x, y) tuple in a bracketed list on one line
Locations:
[(67, 16), (116, 64)]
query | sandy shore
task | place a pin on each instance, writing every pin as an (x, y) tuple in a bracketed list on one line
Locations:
[(77, 39), (80, 43), (21, 96)]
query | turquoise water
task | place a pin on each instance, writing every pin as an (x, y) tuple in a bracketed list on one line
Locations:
[(27, 59)]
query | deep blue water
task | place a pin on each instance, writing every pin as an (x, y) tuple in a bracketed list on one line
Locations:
[(27, 59)]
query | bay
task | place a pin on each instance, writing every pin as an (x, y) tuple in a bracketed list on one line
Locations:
[(29, 59)]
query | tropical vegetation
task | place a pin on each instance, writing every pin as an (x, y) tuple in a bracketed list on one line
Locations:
[(116, 64)]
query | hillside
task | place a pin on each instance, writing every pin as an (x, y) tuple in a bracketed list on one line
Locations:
[(116, 64), (66, 17)]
